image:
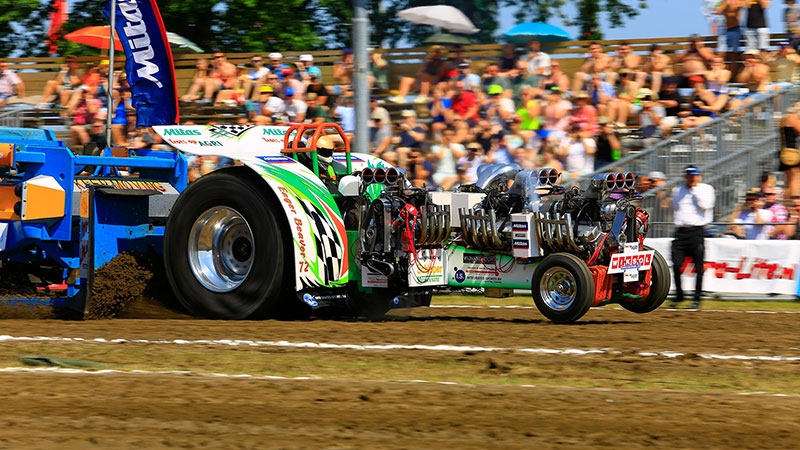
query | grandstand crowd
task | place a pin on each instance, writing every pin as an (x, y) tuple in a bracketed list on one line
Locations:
[(458, 114)]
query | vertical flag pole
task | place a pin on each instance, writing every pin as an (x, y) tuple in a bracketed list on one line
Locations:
[(109, 109)]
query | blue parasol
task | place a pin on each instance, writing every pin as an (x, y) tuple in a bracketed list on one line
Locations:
[(543, 32)]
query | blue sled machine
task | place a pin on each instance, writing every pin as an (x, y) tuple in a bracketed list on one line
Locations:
[(65, 216)]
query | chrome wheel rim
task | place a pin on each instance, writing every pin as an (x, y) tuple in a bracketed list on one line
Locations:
[(557, 288), (221, 249)]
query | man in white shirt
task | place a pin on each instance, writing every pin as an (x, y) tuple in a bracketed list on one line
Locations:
[(693, 208), (538, 61)]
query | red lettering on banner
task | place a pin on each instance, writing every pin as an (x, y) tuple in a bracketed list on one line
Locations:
[(759, 269)]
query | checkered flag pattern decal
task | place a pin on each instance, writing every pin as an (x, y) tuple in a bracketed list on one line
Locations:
[(229, 130), (329, 246)]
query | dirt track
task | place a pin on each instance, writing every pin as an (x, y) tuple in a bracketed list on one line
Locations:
[(579, 400)]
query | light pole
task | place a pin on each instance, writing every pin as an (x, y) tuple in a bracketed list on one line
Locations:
[(360, 91)]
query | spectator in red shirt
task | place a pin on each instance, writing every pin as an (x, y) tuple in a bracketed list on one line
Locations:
[(465, 105)]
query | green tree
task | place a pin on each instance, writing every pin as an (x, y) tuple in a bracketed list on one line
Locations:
[(588, 13)]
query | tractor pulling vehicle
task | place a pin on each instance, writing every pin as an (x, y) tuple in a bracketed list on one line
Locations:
[(300, 223)]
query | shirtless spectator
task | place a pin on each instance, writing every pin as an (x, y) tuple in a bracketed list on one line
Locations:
[(343, 73), (221, 78), (556, 114), (557, 77), (732, 10), (625, 59), (433, 70), (199, 78), (509, 58), (597, 62), (718, 77), (67, 80), (538, 61), (695, 60), (10, 84), (755, 77), (656, 67)]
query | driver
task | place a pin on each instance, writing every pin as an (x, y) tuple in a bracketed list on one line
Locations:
[(325, 146)]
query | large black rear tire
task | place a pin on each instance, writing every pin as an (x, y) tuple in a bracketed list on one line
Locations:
[(224, 249), (562, 287), (660, 281)]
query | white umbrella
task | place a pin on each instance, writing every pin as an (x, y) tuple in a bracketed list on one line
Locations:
[(443, 16)]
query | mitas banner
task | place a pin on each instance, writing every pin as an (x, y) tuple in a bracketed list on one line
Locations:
[(741, 266), (148, 61)]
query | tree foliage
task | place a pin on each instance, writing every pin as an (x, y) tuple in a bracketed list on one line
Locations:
[(258, 26)]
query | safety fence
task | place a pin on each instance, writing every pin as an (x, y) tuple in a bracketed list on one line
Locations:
[(11, 118)]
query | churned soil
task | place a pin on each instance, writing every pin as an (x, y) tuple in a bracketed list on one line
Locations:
[(357, 399)]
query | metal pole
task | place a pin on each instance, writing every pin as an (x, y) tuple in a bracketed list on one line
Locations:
[(360, 39), (109, 110)]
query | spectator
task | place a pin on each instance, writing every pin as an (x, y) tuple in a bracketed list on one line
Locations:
[(508, 59), (10, 84), (498, 152), (597, 62), (272, 107), (67, 80), (608, 146), (119, 121), (656, 66), (717, 77), (791, 18), (306, 68), (432, 71), (757, 31), (755, 77), (602, 94), (625, 59), (793, 229), (289, 81), (693, 209), (556, 78), (752, 214), (378, 77), (346, 114), (316, 113), (548, 160), (695, 60), (381, 136), (255, 77), (670, 100), (411, 136), (441, 110), (784, 64), (465, 104), (420, 169), (445, 154), (789, 154), (343, 73), (780, 214), (716, 23), (295, 108), (276, 64), (578, 152), (731, 9), (222, 77), (472, 82), (491, 76), (556, 114), (584, 114), (376, 108), (650, 117), (626, 103), (199, 80), (498, 107), (83, 113), (469, 163), (704, 105), (529, 112), (538, 61), (520, 79), (315, 86)]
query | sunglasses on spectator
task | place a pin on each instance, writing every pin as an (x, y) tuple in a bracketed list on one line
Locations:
[(218, 56), (272, 78), (255, 60)]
